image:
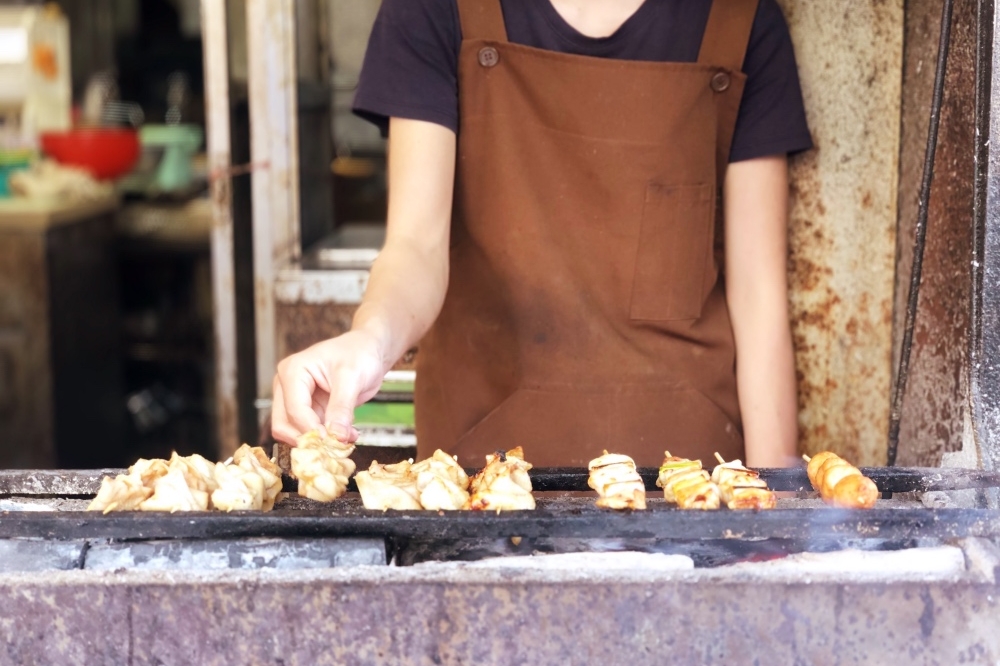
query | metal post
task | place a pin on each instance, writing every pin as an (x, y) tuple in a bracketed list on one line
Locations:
[(984, 365), (215, 45), (271, 45)]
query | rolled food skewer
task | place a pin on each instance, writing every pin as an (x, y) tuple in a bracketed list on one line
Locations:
[(839, 482)]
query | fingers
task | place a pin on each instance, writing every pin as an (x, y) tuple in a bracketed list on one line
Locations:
[(298, 386), (339, 417)]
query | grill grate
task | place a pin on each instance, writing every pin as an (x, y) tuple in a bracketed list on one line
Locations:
[(555, 518), (81, 483)]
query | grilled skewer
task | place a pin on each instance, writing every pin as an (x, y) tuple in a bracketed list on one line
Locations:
[(839, 482), (741, 488), (686, 484), (322, 465), (617, 482), (504, 484)]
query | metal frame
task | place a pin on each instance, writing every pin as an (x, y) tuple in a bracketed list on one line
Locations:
[(218, 143), (984, 355), (273, 80), (273, 88)]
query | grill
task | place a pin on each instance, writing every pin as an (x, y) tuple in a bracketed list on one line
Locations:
[(557, 515)]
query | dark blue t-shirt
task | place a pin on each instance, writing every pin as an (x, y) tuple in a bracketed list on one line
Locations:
[(411, 66)]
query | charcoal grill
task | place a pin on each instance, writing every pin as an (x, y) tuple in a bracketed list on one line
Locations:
[(555, 517), (449, 612)]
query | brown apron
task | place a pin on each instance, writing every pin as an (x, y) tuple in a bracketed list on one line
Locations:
[(585, 307)]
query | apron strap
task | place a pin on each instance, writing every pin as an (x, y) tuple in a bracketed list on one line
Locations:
[(727, 33), (482, 19)]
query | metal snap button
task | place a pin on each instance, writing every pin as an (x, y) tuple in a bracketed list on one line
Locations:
[(489, 56), (720, 82)]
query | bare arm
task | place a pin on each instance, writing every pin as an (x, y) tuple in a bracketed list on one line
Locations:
[(408, 281), (756, 207), (322, 385)]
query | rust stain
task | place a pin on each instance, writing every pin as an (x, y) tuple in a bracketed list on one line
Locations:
[(842, 222), (933, 411)]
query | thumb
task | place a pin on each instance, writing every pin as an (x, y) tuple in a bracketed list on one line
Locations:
[(339, 415)]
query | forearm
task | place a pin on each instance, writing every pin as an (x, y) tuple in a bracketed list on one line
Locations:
[(765, 378), (408, 281), (404, 296), (756, 207)]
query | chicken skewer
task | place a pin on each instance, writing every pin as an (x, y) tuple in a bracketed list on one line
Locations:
[(741, 488), (503, 485), (617, 482), (839, 482), (686, 484)]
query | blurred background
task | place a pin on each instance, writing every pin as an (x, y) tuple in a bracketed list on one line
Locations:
[(107, 346)]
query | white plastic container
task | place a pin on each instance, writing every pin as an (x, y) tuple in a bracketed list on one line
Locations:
[(35, 92)]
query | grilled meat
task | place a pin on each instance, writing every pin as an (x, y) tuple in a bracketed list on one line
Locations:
[(322, 466), (503, 485), (171, 493), (442, 483), (237, 489), (617, 482), (389, 487), (125, 492), (148, 471), (191, 483), (254, 460), (198, 472), (686, 484), (840, 483), (741, 488)]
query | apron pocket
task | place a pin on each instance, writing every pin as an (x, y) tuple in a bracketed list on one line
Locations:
[(674, 254)]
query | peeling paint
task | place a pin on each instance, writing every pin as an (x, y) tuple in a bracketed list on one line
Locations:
[(843, 222)]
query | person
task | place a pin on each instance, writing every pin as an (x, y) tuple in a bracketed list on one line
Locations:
[(587, 223)]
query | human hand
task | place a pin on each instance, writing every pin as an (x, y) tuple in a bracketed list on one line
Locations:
[(318, 388)]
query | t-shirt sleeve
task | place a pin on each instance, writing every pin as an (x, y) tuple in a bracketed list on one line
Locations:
[(410, 67), (772, 118)]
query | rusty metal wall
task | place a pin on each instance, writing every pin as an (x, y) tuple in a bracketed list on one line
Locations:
[(843, 221), (933, 411)]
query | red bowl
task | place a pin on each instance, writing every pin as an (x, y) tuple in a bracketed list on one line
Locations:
[(105, 152)]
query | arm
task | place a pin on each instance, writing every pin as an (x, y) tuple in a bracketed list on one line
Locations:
[(756, 212), (322, 385)]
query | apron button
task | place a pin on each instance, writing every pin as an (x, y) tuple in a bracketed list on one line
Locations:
[(720, 82), (489, 56)]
